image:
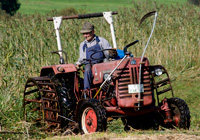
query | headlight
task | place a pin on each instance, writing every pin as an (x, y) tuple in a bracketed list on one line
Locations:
[(60, 69), (105, 76), (158, 71)]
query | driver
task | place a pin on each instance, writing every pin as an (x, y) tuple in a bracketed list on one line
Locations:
[(91, 45)]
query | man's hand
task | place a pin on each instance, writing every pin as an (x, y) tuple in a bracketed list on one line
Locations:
[(77, 66)]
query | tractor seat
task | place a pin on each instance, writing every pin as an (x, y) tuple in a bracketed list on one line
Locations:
[(116, 54)]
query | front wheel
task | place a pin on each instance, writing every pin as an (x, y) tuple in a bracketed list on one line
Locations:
[(179, 112), (92, 117)]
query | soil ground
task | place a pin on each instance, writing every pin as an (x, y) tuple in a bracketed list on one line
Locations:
[(174, 136)]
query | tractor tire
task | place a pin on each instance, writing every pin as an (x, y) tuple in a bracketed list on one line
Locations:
[(180, 113), (67, 99), (92, 117)]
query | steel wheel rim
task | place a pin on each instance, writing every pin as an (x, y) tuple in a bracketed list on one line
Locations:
[(89, 120)]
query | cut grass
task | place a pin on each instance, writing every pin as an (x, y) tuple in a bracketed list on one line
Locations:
[(93, 6)]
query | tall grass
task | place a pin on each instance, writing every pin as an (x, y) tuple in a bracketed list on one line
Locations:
[(26, 43)]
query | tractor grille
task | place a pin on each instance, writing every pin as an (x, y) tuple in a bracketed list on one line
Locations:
[(128, 76), (123, 82), (146, 81)]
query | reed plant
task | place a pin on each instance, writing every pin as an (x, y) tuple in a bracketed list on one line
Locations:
[(26, 43)]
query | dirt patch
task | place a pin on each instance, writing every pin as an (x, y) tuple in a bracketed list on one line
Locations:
[(161, 137), (130, 137)]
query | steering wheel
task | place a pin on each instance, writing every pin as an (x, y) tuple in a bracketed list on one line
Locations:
[(112, 53)]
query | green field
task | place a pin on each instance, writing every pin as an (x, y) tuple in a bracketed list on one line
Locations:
[(93, 6), (27, 40)]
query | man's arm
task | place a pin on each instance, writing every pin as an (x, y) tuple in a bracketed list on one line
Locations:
[(105, 45)]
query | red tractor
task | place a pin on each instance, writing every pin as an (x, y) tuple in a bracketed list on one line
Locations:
[(125, 87)]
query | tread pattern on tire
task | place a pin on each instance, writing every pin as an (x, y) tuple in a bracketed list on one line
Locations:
[(99, 110), (184, 112)]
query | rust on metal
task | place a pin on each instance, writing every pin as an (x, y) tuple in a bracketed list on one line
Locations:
[(165, 107)]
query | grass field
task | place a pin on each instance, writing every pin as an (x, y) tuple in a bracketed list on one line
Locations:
[(93, 6), (27, 40)]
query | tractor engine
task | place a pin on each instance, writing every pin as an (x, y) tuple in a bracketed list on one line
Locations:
[(124, 79)]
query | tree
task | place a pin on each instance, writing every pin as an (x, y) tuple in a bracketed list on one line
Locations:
[(10, 6), (196, 2)]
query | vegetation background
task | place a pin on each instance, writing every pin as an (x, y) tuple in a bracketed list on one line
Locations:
[(27, 39)]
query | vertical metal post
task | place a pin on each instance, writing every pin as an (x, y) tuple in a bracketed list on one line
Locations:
[(57, 22), (108, 17)]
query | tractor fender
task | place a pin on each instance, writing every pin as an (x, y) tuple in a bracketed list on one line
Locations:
[(58, 69)]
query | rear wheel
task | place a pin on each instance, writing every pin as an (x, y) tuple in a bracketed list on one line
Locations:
[(41, 105), (67, 100), (92, 117), (180, 113)]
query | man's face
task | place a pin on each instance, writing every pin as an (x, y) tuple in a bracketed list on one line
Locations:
[(89, 36)]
